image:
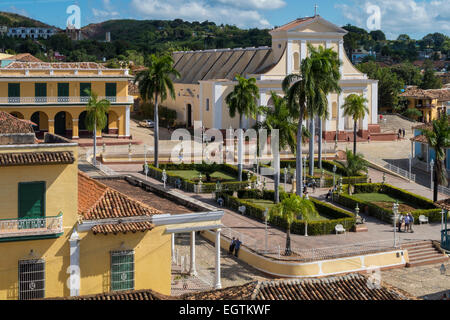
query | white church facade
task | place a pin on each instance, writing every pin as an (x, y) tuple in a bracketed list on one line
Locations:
[(208, 76)]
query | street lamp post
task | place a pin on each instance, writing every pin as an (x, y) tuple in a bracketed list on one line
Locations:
[(164, 177), (334, 175), (410, 161), (285, 178), (266, 216), (431, 177), (395, 212), (304, 169)]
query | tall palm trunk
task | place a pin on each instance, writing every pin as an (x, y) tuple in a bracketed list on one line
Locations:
[(288, 250), (311, 146), (320, 143), (435, 180), (156, 133), (95, 142), (276, 176), (240, 148), (354, 137), (298, 156)]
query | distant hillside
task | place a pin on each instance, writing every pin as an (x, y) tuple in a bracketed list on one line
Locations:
[(17, 20), (157, 35)]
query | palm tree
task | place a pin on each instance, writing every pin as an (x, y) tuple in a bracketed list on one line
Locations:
[(438, 138), (156, 82), (96, 117), (354, 165), (289, 209), (355, 107), (307, 95), (242, 100), (279, 118)]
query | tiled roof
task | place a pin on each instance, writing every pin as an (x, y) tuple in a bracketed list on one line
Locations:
[(122, 227), (141, 295), (440, 94), (348, 287), (443, 204), (24, 57), (36, 158), (10, 124), (293, 24), (97, 201), (420, 138), (54, 65)]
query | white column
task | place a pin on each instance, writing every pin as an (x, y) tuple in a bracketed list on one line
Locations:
[(192, 270), (289, 55), (217, 102), (327, 122), (302, 50), (341, 57), (127, 122), (263, 99), (374, 107), (173, 248), (365, 125), (74, 268), (340, 112), (218, 284)]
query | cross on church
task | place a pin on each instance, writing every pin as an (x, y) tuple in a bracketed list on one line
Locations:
[(315, 9)]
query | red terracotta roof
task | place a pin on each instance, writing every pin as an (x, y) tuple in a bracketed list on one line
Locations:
[(440, 94), (122, 227), (140, 295), (293, 24), (24, 57), (97, 201), (420, 138), (54, 65), (10, 124), (443, 204), (36, 158)]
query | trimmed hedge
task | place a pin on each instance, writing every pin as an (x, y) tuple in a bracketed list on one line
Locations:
[(189, 185), (336, 215), (327, 165), (427, 206)]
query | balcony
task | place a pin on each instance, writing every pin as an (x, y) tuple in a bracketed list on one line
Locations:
[(61, 100), (39, 227)]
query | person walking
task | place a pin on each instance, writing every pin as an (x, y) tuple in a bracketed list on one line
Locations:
[(406, 223), (237, 246), (400, 222), (411, 222), (232, 245), (404, 133)]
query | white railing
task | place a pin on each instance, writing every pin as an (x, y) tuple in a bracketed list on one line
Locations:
[(61, 100), (27, 227), (400, 171), (444, 190), (100, 166), (299, 254)]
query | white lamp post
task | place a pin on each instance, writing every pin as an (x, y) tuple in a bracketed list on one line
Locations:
[(266, 216), (334, 175), (431, 177), (164, 177), (395, 211), (285, 178)]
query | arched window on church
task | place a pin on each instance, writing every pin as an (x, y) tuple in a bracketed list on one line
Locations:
[(296, 61)]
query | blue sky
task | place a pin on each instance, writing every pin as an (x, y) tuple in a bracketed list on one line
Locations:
[(414, 17)]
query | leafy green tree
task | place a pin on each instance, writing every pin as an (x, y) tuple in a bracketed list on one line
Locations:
[(156, 82), (413, 113), (430, 80), (355, 107), (378, 35), (242, 100), (289, 209), (354, 164), (96, 117), (279, 118), (438, 137), (408, 73)]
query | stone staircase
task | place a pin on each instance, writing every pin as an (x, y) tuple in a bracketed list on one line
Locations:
[(392, 122), (422, 253)]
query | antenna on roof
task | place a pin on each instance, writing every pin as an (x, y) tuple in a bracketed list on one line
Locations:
[(315, 9)]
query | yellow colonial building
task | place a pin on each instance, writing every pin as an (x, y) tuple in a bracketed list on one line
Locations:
[(208, 76), (431, 103), (53, 96), (64, 234)]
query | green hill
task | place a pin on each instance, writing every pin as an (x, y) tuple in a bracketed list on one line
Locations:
[(17, 20)]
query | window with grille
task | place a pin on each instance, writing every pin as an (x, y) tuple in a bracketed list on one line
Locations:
[(207, 104), (122, 270), (31, 279)]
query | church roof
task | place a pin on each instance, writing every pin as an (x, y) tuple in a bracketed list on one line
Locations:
[(225, 64)]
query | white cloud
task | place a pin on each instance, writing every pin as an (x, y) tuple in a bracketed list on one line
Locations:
[(256, 4), (107, 12), (406, 16), (199, 10)]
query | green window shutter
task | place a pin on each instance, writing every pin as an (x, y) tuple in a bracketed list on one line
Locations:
[(14, 92), (111, 91), (122, 270), (40, 92), (31, 200), (63, 92), (83, 88)]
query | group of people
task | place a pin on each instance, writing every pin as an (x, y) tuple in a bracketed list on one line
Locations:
[(406, 222), (401, 133), (235, 246)]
